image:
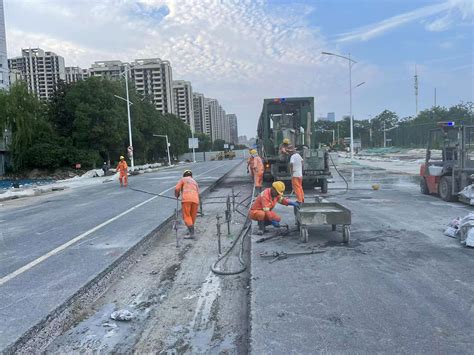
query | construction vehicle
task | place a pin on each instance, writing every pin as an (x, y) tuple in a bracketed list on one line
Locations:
[(291, 118), (449, 173)]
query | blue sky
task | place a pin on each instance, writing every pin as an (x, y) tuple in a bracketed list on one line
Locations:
[(240, 52)]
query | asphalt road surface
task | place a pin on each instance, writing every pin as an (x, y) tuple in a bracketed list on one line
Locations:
[(401, 286), (51, 246)]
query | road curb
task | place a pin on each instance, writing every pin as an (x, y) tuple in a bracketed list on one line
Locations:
[(39, 336)]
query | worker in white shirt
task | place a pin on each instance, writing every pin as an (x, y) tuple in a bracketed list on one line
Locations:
[(296, 170)]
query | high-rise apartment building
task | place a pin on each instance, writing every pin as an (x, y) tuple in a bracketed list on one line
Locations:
[(4, 77), (183, 101), (199, 112), (153, 79), (109, 69), (74, 74), (331, 116), (41, 70), (212, 115), (234, 131)]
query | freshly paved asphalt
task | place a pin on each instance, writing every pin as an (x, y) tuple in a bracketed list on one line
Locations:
[(33, 229), (400, 287)]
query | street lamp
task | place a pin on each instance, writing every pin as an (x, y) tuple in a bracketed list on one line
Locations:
[(385, 132), (127, 100), (167, 145), (351, 61)]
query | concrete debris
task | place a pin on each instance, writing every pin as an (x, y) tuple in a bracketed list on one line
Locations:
[(462, 228), (468, 194), (122, 315)]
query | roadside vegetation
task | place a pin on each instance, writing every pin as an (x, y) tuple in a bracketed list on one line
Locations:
[(85, 123), (409, 132)]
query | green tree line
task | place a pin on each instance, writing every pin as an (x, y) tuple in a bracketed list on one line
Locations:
[(85, 123), (409, 132)]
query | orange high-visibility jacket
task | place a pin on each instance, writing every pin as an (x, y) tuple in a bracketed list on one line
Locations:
[(122, 167), (266, 202), (250, 162), (257, 165), (189, 188)]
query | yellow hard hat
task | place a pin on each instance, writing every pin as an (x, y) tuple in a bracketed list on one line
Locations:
[(279, 186), (253, 151), (122, 157), (286, 141)]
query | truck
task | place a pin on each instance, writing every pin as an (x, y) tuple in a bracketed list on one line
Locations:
[(452, 169), (291, 118)]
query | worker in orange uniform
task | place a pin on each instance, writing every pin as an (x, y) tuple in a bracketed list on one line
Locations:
[(188, 188), (296, 170), (122, 168), (250, 163), (257, 168), (285, 149), (263, 205)]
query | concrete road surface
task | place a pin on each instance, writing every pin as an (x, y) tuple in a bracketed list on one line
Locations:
[(401, 286), (53, 245)]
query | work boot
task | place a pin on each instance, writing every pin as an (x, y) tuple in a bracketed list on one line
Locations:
[(261, 228), (190, 233)]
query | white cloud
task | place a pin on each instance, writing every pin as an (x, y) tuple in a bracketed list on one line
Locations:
[(450, 9), (236, 51)]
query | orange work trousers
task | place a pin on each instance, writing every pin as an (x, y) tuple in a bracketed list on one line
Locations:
[(297, 184), (189, 210), (260, 215), (258, 179), (123, 178)]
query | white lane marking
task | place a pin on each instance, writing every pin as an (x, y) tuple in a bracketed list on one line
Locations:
[(57, 250)]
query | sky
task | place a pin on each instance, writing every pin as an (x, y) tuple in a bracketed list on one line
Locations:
[(241, 52)]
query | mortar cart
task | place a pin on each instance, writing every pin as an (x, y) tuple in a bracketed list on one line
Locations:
[(313, 214)]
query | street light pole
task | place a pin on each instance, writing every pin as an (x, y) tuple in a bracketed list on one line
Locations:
[(167, 146), (351, 62), (129, 120)]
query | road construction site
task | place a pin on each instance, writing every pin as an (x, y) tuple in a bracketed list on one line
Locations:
[(399, 286)]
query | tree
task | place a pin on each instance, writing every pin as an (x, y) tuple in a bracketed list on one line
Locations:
[(204, 142), (218, 144)]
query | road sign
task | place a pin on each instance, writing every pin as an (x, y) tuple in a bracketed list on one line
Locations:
[(232, 147), (130, 151), (193, 143), (226, 146)]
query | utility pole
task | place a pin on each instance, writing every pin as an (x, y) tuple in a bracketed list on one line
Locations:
[(416, 90), (129, 121), (384, 136), (435, 97)]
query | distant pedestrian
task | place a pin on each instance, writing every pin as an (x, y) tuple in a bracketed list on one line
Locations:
[(188, 189), (105, 168), (122, 168), (257, 171), (249, 163), (296, 170)]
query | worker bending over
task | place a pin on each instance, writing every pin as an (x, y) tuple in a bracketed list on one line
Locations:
[(188, 188), (263, 205), (122, 168), (257, 171), (296, 170)]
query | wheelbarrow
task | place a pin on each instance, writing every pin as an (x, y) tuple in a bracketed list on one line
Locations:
[(313, 214)]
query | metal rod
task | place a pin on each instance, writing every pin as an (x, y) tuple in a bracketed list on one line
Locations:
[(219, 234)]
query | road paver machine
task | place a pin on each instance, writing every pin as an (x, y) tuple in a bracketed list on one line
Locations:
[(291, 118)]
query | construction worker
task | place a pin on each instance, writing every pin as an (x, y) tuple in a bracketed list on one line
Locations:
[(285, 149), (257, 171), (188, 188), (263, 205), (250, 163), (296, 170), (122, 168)]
